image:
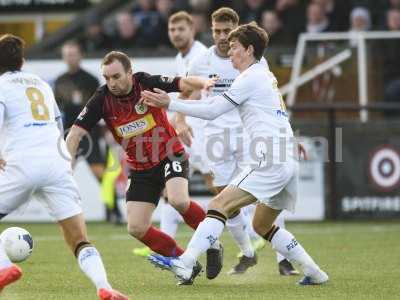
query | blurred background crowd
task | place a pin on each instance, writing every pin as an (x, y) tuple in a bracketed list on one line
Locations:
[(143, 23)]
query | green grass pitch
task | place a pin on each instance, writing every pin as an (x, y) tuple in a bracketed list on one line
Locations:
[(362, 259)]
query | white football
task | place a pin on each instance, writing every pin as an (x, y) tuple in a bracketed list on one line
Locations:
[(17, 242)]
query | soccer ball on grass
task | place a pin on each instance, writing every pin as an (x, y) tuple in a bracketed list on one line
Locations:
[(17, 242)]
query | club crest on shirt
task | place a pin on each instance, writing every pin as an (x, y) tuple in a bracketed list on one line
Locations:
[(141, 108)]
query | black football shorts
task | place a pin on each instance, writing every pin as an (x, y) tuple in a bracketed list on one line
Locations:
[(147, 185)]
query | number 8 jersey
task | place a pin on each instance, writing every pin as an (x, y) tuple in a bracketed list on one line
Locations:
[(31, 115)]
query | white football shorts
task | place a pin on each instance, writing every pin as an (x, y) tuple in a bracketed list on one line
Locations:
[(49, 180), (275, 185)]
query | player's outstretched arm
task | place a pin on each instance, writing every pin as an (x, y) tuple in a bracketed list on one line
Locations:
[(73, 139), (193, 83), (207, 109)]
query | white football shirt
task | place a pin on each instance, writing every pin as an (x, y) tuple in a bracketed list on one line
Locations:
[(30, 126), (262, 109), (182, 66), (208, 65), (182, 62)]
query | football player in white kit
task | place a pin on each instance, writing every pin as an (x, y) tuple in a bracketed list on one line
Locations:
[(270, 180), (181, 34), (228, 158), (35, 162)]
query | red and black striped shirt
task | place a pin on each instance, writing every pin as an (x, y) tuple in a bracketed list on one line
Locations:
[(143, 131)]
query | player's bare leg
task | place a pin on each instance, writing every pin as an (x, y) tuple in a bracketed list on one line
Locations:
[(223, 205), (178, 196), (139, 226), (248, 258), (207, 233), (89, 260)]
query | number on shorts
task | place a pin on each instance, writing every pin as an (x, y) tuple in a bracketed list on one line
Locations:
[(40, 111), (176, 166)]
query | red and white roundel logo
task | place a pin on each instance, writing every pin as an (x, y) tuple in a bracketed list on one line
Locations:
[(384, 168)]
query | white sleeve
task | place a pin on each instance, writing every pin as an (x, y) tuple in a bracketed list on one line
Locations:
[(58, 118), (196, 66), (207, 109), (240, 90), (2, 114)]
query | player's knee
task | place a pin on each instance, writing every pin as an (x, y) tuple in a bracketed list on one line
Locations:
[(179, 203), (137, 230)]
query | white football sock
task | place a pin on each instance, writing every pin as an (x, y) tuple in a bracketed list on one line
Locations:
[(280, 221), (90, 262), (284, 242), (248, 213), (205, 236), (169, 220), (5, 262), (237, 226)]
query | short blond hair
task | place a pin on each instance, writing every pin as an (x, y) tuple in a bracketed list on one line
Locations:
[(225, 14), (181, 16)]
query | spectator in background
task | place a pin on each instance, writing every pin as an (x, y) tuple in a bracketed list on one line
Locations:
[(390, 52), (201, 27), (317, 21), (384, 8), (200, 5), (252, 10), (271, 23), (360, 19), (127, 31), (72, 91), (164, 9), (394, 4), (292, 15), (94, 38), (337, 12), (152, 29)]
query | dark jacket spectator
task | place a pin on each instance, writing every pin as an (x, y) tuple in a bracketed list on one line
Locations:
[(94, 38), (252, 10), (271, 22), (338, 12), (292, 14), (317, 20), (151, 25), (72, 91)]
